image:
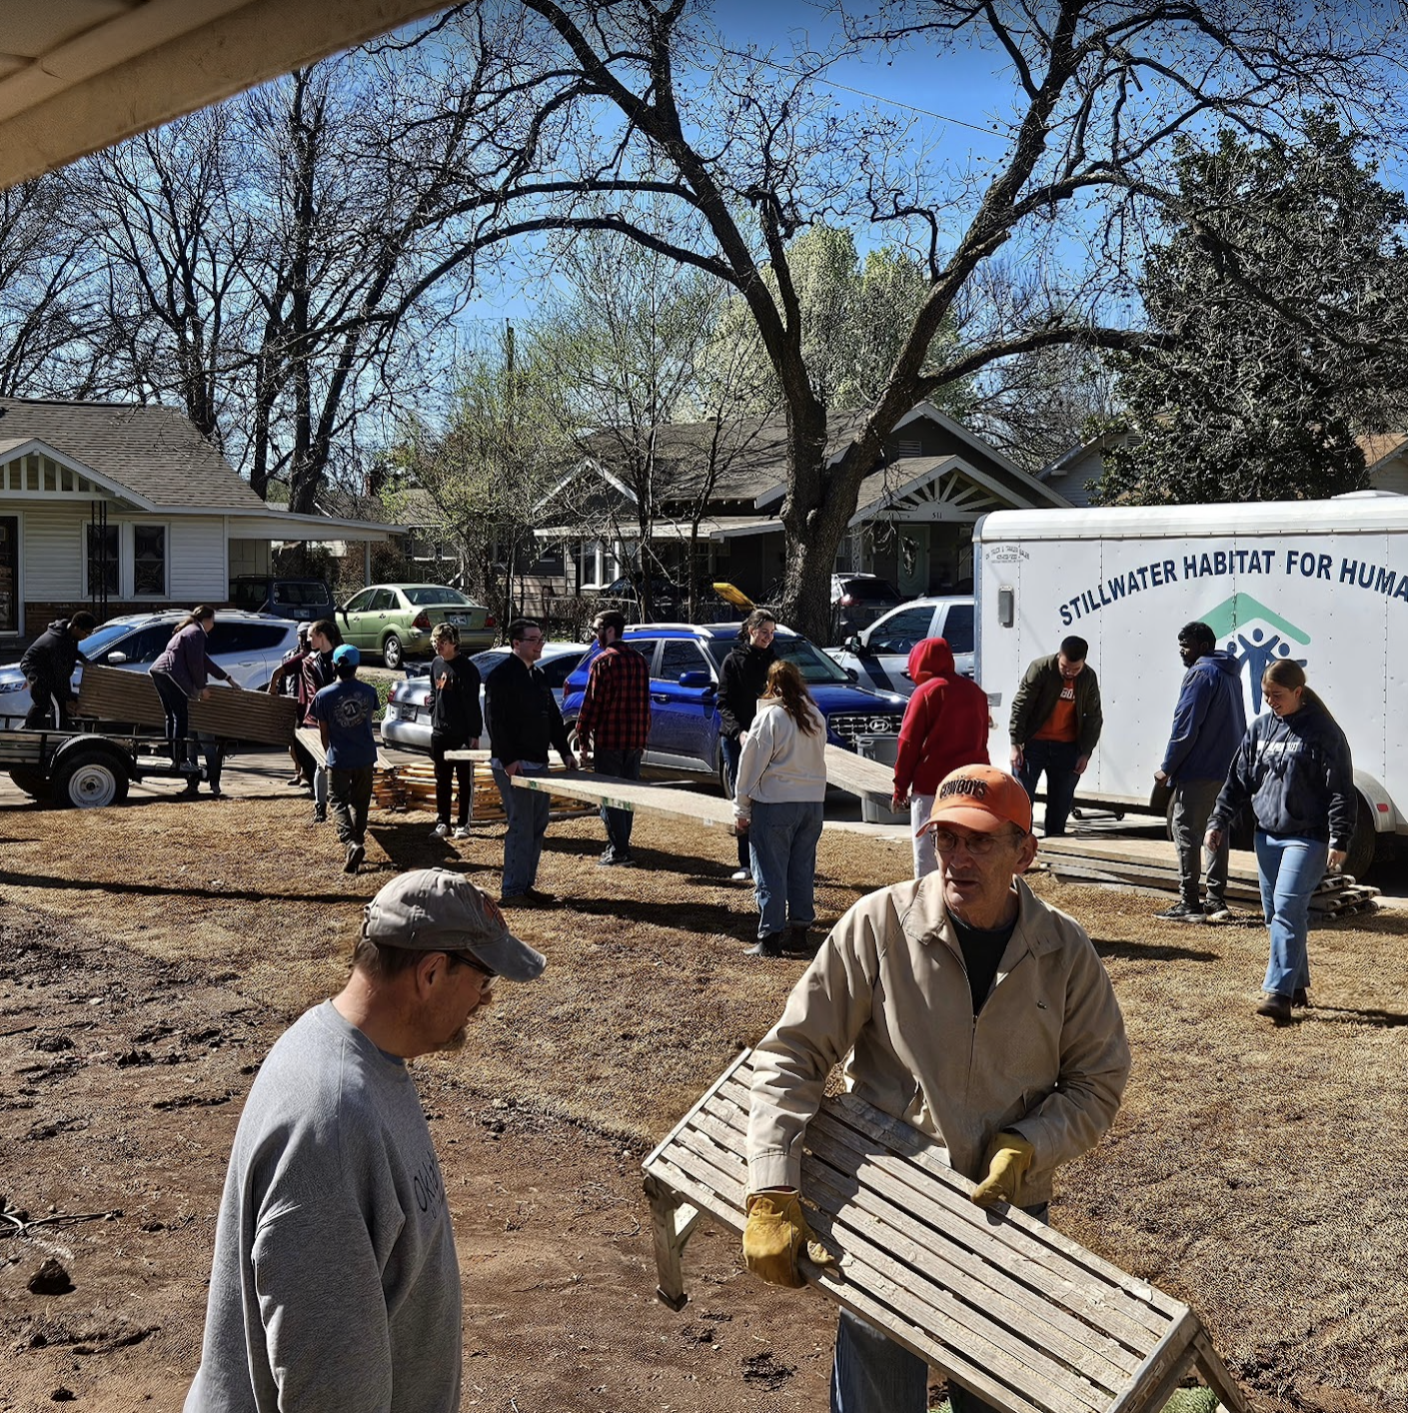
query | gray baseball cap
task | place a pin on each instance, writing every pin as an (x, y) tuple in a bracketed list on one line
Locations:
[(434, 910)]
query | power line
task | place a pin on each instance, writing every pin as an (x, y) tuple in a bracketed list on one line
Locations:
[(858, 92)]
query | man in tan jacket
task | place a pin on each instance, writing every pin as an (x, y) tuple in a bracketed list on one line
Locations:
[(969, 1009)]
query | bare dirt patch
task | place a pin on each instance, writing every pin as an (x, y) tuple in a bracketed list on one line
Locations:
[(150, 955)]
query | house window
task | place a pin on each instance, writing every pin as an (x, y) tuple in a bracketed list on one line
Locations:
[(102, 559), (149, 561)]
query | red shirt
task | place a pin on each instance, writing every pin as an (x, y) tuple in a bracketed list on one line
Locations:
[(615, 714)]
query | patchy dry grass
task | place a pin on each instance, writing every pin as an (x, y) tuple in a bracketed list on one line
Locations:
[(1254, 1172)]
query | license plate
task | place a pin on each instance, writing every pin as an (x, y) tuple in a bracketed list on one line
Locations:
[(408, 713), (460, 620)]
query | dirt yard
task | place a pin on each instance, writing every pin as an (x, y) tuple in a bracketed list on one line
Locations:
[(149, 956)]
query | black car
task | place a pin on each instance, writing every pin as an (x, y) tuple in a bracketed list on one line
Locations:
[(304, 600), (668, 600)]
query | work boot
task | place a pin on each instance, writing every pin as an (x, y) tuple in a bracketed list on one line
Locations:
[(1275, 1007), (1300, 999), (769, 946), (799, 940)]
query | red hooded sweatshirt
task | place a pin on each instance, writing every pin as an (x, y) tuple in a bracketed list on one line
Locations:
[(945, 723)]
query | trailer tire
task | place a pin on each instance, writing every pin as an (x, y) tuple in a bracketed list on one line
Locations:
[(1363, 843), (32, 781), (90, 778)]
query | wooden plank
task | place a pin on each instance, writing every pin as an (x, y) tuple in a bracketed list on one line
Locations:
[(311, 739), (110, 694), (852, 772), (634, 795)]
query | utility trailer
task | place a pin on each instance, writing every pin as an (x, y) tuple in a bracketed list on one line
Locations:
[(85, 769), (1323, 582)]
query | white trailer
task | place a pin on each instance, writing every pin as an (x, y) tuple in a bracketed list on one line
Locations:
[(1324, 582)]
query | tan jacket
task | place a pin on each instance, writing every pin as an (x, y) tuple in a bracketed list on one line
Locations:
[(1046, 1056)]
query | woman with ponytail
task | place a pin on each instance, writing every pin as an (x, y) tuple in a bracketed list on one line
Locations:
[(781, 785), (1294, 769)]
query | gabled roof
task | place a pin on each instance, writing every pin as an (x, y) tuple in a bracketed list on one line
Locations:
[(154, 452), (1381, 446)]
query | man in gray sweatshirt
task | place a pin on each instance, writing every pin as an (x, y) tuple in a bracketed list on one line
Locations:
[(335, 1283)]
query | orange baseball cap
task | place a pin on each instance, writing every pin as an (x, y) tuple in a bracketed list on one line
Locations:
[(980, 797)]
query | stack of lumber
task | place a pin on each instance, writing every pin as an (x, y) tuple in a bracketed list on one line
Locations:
[(1153, 863), (112, 695), (412, 787), (1016, 1313)]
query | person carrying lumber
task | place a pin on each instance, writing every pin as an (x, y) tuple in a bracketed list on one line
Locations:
[(324, 638), (48, 664), (1056, 721), (945, 725), (962, 1005), (344, 713), (334, 1283), (613, 724), (524, 725), (1208, 724), (456, 723), (181, 675), (288, 680)]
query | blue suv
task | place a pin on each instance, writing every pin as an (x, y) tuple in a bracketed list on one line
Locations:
[(685, 663)]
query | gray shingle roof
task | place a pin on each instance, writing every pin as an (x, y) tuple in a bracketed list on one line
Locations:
[(154, 451)]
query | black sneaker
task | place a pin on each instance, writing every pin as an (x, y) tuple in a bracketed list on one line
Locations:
[(1215, 911), (355, 854), (769, 946), (320, 814), (1181, 912)]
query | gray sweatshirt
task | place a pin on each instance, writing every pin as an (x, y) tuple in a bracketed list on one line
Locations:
[(335, 1287)]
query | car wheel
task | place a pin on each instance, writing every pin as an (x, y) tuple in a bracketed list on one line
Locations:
[(392, 653), (89, 779), (1362, 845)]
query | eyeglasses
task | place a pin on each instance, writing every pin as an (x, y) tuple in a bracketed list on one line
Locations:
[(468, 959), (979, 845), (533, 638)]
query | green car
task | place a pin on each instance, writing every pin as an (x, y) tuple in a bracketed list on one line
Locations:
[(394, 620)]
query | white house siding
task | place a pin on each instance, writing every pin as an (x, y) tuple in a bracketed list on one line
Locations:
[(196, 559), (1391, 474), (51, 549)]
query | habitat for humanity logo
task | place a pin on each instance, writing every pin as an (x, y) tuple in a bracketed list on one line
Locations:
[(1256, 636)]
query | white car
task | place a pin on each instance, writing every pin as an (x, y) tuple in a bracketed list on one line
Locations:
[(407, 720), (248, 646), (879, 655)]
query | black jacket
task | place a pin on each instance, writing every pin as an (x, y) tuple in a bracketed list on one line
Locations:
[(1036, 697), (742, 681), (524, 722), (1297, 774), (52, 656), (455, 711)]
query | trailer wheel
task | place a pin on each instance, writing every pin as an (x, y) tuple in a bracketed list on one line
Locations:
[(32, 781), (89, 779), (1364, 841)]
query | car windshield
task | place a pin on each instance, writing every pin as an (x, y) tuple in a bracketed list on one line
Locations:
[(813, 664), (424, 595), (101, 639)]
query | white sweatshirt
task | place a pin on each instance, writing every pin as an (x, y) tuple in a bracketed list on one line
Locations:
[(780, 762)]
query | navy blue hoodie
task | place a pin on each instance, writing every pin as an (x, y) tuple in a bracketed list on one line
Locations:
[(1208, 722), (1297, 773)]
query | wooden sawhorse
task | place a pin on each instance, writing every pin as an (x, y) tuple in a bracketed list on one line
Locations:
[(1011, 1310)]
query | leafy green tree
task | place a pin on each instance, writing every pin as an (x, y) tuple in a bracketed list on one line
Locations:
[(502, 447), (1275, 303)]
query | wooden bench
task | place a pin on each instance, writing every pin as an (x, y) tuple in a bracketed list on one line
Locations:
[(1011, 1310)]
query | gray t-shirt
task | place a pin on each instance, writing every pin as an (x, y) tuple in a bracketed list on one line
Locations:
[(335, 1287)]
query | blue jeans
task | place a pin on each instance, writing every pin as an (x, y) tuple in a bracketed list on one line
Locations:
[(873, 1374), (732, 751), (618, 823), (1290, 868), (1057, 760), (782, 842), (527, 812)]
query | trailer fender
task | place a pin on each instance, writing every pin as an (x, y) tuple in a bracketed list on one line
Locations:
[(1380, 802)]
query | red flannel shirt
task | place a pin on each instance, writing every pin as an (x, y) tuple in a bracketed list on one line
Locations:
[(615, 714)]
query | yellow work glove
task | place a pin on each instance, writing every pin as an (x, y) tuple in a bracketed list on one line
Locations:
[(1008, 1157), (773, 1236)]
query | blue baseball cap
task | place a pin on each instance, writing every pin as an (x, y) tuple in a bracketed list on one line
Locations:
[(346, 653)]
